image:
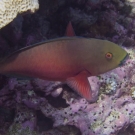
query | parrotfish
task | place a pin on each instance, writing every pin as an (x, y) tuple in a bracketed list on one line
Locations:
[(69, 59)]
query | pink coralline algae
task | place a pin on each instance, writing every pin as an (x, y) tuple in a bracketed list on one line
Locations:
[(108, 116)]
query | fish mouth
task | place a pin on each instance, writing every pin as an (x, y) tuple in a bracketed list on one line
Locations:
[(123, 61)]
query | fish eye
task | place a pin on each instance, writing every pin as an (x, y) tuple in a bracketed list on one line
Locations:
[(109, 55)]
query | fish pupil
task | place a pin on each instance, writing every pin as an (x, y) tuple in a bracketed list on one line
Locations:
[(108, 55)]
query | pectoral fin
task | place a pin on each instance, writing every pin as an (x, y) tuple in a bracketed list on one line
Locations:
[(81, 85)]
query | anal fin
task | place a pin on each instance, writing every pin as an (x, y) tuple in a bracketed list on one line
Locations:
[(81, 85)]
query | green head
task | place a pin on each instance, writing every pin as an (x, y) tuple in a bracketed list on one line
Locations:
[(107, 56)]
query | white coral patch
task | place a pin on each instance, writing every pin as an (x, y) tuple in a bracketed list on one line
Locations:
[(10, 8)]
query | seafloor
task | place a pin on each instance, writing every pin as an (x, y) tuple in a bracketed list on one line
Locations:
[(39, 107)]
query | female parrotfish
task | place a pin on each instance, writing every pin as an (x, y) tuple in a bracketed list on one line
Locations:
[(70, 59)]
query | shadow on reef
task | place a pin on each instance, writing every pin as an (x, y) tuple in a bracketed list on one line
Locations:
[(6, 119), (3, 81), (128, 131), (55, 102), (43, 123), (63, 130)]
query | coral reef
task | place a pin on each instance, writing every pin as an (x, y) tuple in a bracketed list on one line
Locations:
[(10, 8), (106, 117), (39, 107), (24, 121)]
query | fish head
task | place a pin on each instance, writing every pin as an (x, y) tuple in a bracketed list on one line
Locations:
[(108, 56)]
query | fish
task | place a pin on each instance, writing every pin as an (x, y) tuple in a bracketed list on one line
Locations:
[(69, 59)]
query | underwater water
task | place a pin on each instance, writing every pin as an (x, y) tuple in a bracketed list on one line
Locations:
[(67, 67)]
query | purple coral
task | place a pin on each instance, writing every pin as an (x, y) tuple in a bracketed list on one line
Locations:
[(106, 117)]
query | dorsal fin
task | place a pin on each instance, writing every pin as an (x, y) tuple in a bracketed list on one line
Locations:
[(69, 30)]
